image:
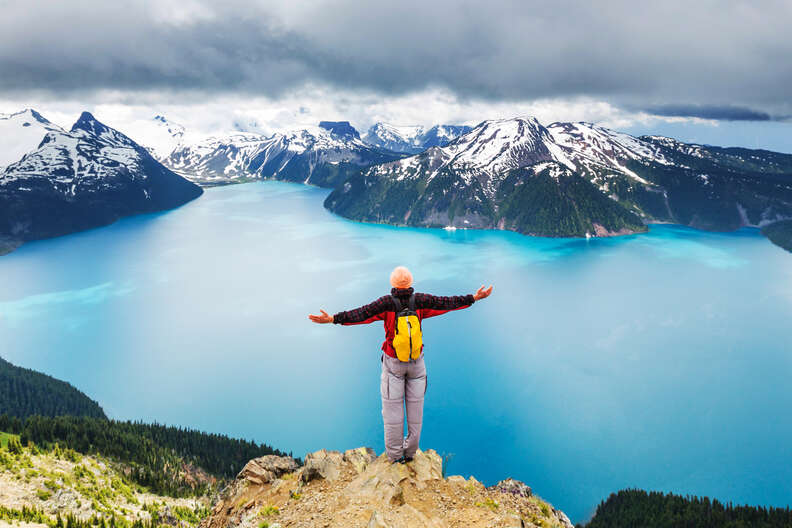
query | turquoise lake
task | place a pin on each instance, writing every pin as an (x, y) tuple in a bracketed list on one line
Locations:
[(660, 361)]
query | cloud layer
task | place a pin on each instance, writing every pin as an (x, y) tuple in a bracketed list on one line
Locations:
[(708, 59)]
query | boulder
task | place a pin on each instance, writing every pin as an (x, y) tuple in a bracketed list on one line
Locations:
[(360, 458), (322, 464), (265, 469), (427, 465)]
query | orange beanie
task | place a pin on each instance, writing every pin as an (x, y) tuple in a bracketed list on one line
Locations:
[(401, 277)]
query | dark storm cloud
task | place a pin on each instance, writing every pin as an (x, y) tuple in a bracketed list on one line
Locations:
[(676, 55), (723, 113)]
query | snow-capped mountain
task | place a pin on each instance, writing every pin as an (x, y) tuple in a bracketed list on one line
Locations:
[(412, 139), (164, 137), (22, 132), (86, 177), (570, 179), (322, 155)]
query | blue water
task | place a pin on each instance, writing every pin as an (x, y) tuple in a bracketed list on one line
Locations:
[(660, 361)]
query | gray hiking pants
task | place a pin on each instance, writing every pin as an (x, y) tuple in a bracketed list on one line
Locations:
[(402, 383)]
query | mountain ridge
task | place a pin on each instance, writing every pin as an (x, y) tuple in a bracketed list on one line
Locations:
[(412, 139), (321, 155), (86, 177), (517, 174)]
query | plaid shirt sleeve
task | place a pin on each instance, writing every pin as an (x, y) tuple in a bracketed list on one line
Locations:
[(435, 302), (366, 314)]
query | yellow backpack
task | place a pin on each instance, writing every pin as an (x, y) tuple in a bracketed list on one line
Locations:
[(408, 341)]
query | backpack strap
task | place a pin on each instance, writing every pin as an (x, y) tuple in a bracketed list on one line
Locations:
[(412, 303), (397, 302)]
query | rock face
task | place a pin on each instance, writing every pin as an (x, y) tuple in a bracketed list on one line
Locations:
[(87, 177), (340, 128), (358, 489)]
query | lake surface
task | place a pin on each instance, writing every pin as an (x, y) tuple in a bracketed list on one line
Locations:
[(660, 361)]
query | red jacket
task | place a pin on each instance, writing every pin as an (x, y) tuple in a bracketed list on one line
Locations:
[(384, 309)]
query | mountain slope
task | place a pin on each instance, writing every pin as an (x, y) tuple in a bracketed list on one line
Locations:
[(412, 139), (700, 186), (20, 133), (54, 487), (505, 174), (323, 156), (163, 136), (571, 179), (780, 234), (25, 392), (87, 177)]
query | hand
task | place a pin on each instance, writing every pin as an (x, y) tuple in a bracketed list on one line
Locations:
[(482, 293), (324, 318)]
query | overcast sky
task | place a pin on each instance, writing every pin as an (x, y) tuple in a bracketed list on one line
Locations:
[(710, 71)]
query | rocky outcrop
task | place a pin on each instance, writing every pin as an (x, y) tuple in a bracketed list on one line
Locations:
[(357, 488)]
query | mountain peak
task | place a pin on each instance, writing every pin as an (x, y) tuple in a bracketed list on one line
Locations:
[(412, 139), (340, 128), (89, 123), (21, 132), (27, 113)]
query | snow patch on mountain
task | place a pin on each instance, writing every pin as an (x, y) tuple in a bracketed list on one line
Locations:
[(588, 145), (247, 155), (412, 139), (22, 132)]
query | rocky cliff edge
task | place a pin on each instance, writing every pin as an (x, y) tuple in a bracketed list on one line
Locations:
[(357, 488)]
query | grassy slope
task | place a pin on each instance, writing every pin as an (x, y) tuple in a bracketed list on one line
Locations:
[(64, 482)]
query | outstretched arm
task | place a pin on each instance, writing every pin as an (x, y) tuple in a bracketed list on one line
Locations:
[(432, 305), (365, 314)]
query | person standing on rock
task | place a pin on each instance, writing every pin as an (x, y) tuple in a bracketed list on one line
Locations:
[(403, 373)]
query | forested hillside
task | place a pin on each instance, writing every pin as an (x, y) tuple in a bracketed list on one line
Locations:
[(168, 460), (780, 234), (25, 392), (637, 508)]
